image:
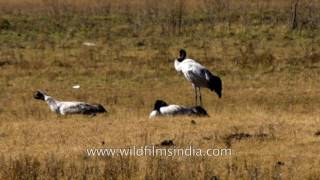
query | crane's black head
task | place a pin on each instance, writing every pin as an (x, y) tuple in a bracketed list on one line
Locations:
[(183, 55), (158, 104), (200, 111), (39, 95)]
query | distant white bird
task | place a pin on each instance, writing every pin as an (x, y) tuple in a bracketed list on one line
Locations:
[(69, 107), (198, 75), (88, 44), (76, 86), (161, 108)]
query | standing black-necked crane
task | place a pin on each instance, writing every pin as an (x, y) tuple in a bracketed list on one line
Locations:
[(198, 75)]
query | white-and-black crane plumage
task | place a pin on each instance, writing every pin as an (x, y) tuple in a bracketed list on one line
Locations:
[(161, 108), (69, 107), (198, 75)]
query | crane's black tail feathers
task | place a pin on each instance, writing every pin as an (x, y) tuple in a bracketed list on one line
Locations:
[(92, 109), (100, 108), (200, 111), (215, 84)]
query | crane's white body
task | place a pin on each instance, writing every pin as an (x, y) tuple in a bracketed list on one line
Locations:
[(161, 108), (171, 110), (65, 107), (194, 72), (69, 107)]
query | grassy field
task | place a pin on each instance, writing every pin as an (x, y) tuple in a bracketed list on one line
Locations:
[(268, 115)]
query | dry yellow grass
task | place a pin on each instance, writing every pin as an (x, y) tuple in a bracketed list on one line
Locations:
[(270, 90)]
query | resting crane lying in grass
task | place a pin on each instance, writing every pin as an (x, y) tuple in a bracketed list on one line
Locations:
[(161, 108), (198, 75), (69, 107)]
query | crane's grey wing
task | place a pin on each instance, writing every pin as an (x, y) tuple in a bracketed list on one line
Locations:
[(81, 108), (204, 78), (91, 109), (198, 75)]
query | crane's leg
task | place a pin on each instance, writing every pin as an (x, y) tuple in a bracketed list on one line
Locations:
[(195, 90), (200, 97)]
